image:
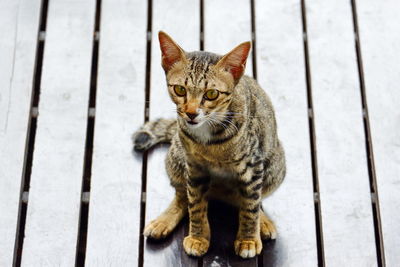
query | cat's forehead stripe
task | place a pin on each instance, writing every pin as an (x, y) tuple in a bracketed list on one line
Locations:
[(199, 67), (204, 57)]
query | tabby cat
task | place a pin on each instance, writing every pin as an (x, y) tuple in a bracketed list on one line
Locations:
[(224, 145)]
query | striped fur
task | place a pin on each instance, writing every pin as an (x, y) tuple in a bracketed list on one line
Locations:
[(230, 151)]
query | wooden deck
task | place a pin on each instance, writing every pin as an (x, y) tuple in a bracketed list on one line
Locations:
[(78, 77)]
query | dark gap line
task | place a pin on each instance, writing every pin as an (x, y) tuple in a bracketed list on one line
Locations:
[(313, 147), (30, 139), (43, 16), (38, 72), (368, 145), (148, 60), (87, 165), (21, 221), (84, 209), (146, 118), (20, 238), (253, 37), (93, 81), (34, 110), (142, 209), (39, 58), (202, 25)]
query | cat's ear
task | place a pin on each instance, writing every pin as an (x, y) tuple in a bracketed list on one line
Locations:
[(235, 61), (171, 52)]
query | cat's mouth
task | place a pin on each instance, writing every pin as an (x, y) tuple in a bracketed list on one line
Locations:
[(192, 122)]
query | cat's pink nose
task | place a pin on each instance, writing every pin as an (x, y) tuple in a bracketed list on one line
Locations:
[(192, 116)]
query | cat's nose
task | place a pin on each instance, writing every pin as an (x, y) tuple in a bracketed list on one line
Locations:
[(192, 116)]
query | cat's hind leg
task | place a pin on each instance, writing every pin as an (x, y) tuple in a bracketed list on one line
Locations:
[(267, 227)]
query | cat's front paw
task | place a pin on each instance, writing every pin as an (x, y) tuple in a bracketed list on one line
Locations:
[(248, 248), (158, 229), (142, 140), (195, 246)]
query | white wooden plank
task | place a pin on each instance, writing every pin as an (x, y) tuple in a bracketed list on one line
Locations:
[(226, 25), (343, 171), (281, 72), (114, 209), (55, 190), (19, 22), (380, 38), (168, 16)]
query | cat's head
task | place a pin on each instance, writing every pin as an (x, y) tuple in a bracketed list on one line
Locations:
[(201, 84)]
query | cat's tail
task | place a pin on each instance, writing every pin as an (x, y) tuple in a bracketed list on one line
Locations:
[(154, 132)]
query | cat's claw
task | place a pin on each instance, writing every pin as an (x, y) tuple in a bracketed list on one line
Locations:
[(248, 248), (142, 140), (195, 246)]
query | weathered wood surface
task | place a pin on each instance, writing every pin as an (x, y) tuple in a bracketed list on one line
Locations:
[(380, 42), (55, 189), (53, 210), (115, 195), (281, 72), (346, 208), (226, 25), (19, 23), (185, 30)]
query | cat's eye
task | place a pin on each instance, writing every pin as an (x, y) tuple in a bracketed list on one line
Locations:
[(211, 94), (179, 90)]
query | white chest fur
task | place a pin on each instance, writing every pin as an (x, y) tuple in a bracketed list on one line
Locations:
[(201, 132)]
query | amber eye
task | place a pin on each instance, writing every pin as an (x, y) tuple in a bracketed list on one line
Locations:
[(179, 90), (211, 94)]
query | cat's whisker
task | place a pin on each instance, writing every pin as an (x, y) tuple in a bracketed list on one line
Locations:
[(234, 126), (217, 122), (231, 131), (213, 124), (233, 114)]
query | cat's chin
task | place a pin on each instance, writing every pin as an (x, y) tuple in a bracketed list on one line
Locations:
[(200, 131)]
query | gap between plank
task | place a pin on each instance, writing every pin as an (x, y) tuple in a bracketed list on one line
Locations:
[(31, 135), (87, 165), (146, 119), (313, 149), (253, 38), (368, 145), (201, 25)]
